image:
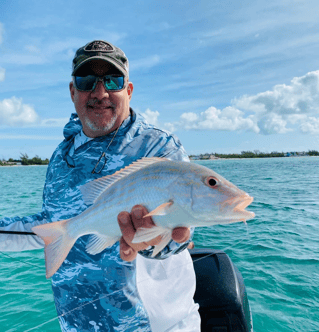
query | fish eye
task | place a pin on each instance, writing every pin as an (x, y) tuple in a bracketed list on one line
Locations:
[(211, 182)]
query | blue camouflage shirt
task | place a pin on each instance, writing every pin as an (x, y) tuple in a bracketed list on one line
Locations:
[(98, 292)]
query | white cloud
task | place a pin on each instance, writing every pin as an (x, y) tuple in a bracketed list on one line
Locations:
[(273, 124), (170, 126), (311, 126), (283, 109), (14, 113), (1, 33), (151, 117), (189, 117), (2, 74), (229, 119), (300, 97), (59, 122), (285, 105)]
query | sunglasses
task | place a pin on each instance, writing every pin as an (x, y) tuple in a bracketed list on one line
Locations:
[(88, 83)]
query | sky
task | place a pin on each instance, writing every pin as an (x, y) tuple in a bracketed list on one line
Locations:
[(224, 76)]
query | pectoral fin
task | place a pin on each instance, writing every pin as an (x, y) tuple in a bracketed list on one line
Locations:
[(147, 234), (161, 210), (166, 238)]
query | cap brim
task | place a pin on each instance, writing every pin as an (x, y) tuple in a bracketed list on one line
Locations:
[(98, 57)]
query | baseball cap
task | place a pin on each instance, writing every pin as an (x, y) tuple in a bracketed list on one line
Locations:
[(100, 49)]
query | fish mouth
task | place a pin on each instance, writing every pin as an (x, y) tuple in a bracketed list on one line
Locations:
[(244, 202), (240, 208), (238, 205)]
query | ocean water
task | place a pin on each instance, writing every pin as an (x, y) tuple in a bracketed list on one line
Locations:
[(277, 252)]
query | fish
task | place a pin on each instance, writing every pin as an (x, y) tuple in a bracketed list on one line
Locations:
[(177, 194)]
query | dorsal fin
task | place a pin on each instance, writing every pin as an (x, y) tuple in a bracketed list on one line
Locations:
[(92, 190)]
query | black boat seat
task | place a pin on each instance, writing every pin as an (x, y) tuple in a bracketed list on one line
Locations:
[(220, 293)]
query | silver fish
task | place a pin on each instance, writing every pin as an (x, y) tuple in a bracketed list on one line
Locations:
[(178, 194)]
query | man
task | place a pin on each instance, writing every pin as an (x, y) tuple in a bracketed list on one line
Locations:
[(121, 288)]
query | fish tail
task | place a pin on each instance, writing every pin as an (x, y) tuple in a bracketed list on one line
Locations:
[(57, 242)]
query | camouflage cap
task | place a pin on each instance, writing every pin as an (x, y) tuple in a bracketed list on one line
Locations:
[(100, 49)]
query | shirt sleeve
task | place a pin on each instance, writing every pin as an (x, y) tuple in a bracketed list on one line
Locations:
[(16, 242), (171, 148)]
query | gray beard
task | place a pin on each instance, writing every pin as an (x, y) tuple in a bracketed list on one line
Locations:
[(94, 127)]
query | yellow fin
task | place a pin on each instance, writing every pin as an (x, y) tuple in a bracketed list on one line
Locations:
[(161, 210)]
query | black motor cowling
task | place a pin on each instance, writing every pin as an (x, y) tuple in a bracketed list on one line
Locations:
[(220, 293)]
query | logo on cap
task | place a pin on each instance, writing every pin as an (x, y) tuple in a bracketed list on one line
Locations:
[(99, 46)]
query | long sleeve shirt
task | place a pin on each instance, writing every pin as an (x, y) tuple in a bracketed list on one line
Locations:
[(102, 292)]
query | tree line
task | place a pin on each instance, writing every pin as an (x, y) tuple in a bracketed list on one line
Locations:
[(257, 154), (25, 160)]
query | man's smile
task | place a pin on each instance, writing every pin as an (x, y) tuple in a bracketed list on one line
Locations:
[(100, 106)]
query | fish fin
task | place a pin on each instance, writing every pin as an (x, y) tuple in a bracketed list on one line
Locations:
[(166, 238), (57, 242), (98, 243), (147, 234), (161, 210), (92, 190)]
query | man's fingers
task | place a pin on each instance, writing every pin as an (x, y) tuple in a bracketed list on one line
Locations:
[(130, 222), (138, 212), (126, 226), (127, 253), (128, 229), (181, 234)]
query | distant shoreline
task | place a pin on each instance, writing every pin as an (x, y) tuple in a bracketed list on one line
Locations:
[(191, 159), (21, 165), (251, 158), (252, 155)]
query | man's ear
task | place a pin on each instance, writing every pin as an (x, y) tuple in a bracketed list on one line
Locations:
[(130, 89), (71, 86)]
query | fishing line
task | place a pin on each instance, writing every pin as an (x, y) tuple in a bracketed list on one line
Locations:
[(18, 233), (120, 290), (17, 259)]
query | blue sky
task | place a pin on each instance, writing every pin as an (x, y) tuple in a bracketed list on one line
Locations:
[(224, 76)]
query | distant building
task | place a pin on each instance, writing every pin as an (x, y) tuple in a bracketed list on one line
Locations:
[(212, 156)]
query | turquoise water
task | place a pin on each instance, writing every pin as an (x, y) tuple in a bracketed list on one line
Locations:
[(277, 253)]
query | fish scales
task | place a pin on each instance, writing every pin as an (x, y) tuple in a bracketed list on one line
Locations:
[(175, 193)]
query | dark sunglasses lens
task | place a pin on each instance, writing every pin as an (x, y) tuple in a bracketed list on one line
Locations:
[(113, 82), (84, 83)]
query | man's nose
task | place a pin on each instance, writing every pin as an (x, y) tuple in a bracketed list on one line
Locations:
[(99, 92)]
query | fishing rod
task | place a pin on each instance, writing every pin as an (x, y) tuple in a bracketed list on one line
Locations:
[(16, 232)]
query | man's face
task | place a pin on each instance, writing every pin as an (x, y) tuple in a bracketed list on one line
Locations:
[(100, 111)]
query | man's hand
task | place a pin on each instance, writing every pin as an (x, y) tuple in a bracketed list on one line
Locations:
[(130, 222)]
